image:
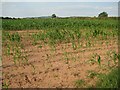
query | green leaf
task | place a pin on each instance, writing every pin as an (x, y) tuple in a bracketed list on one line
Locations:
[(99, 60)]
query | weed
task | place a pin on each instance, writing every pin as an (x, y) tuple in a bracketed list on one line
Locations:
[(95, 58), (5, 85), (66, 57), (115, 56), (88, 44), (112, 55), (91, 61), (92, 74), (40, 46), (79, 83), (33, 68), (74, 46), (109, 80), (8, 49), (118, 56)]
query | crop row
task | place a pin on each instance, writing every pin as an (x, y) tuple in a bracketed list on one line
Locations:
[(59, 23)]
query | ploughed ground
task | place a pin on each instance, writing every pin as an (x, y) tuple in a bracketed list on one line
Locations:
[(60, 68)]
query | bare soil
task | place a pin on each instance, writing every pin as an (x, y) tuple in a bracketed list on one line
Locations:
[(60, 68)]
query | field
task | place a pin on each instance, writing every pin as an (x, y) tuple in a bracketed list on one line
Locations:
[(60, 53)]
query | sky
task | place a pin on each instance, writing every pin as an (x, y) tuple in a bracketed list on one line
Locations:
[(11, 8), (60, 0)]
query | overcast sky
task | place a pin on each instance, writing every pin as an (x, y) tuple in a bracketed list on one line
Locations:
[(63, 9), (60, 0)]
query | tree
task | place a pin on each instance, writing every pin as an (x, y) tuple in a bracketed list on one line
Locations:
[(103, 14), (53, 16)]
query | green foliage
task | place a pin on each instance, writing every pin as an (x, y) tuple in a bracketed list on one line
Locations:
[(118, 56), (96, 32), (40, 46), (8, 49), (74, 46), (5, 85), (59, 30), (113, 55), (88, 43), (99, 60), (103, 14), (96, 58), (59, 23), (92, 74), (66, 57), (108, 81), (53, 16), (14, 47), (15, 37), (79, 83)]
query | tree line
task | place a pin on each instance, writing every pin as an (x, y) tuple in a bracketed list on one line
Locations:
[(101, 15)]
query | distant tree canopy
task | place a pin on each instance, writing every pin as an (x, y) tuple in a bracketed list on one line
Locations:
[(103, 14), (6, 18), (53, 16)]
